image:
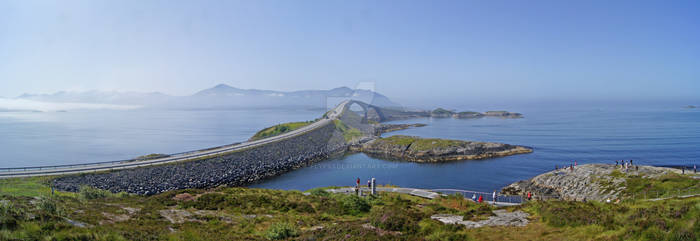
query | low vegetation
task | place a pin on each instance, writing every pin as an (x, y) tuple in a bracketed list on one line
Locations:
[(421, 144), (279, 129), (441, 111), (151, 157), (262, 214), (349, 133)]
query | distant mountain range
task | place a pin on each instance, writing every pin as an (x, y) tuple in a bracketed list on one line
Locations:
[(218, 97)]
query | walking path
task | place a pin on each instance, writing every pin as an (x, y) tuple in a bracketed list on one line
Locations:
[(424, 193)]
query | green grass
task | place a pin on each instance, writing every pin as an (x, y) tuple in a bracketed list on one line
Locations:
[(223, 214), (666, 185), (441, 111), (640, 187), (28, 187), (151, 156), (279, 129), (293, 215), (421, 144), (349, 133)]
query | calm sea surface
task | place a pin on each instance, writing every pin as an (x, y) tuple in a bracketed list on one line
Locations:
[(662, 136)]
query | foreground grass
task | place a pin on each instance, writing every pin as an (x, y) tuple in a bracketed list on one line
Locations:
[(279, 129), (29, 212)]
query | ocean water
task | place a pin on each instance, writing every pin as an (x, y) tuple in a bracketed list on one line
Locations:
[(53, 138), (655, 136)]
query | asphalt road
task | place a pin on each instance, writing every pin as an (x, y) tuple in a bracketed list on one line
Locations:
[(75, 169)]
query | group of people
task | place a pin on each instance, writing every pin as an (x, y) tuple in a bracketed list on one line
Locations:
[(695, 169), (357, 185), (481, 198), (626, 165), (571, 166)]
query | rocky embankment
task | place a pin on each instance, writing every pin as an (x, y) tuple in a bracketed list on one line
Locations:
[(417, 149), (443, 113), (586, 182), (234, 169)]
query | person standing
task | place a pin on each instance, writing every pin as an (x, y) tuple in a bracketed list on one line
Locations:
[(529, 195), (481, 199), (616, 163), (494, 197), (575, 163), (369, 183), (474, 197)]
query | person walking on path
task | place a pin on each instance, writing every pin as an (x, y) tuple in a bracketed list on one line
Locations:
[(571, 167), (529, 196), (369, 183), (481, 199), (695, 169), (683, 170), (575, 163), (494, 197), (474, 197), (616, 163)]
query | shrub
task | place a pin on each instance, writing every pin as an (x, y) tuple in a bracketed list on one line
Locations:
[(210, 201), (49, 208), (354, 205), (281, 231), (319, 192), (395, 219), (91, 193), (10, 215)]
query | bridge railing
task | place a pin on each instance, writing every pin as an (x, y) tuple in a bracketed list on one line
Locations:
[(488, 197)]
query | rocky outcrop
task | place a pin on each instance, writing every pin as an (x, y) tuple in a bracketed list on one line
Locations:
[(234, 169), (467, 115), (443, 113), (584, 182), (501, 218), (503, 114), (380, 129), (417, 149)]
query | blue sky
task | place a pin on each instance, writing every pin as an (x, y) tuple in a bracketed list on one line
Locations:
[(415, 51)]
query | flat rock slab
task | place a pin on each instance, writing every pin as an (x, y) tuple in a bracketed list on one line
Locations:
[(502, 218)]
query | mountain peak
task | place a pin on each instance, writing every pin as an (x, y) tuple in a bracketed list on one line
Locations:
[(222, 86)]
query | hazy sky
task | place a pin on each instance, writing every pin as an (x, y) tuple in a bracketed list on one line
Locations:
[(460, 50)]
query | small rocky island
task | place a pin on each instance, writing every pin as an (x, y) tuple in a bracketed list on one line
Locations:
[(417, 149), (443, 113)]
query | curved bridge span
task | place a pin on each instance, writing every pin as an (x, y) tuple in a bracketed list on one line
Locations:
[(333, 114)]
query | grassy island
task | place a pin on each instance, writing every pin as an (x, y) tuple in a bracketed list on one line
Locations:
[(279, 129), (418, 149)]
